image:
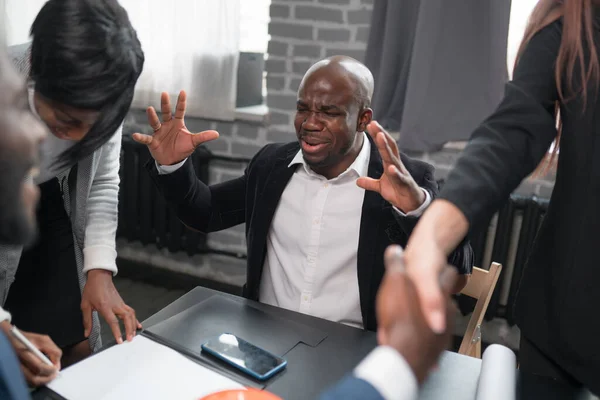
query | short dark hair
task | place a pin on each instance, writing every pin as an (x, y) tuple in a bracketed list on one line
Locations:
[(85, 54)]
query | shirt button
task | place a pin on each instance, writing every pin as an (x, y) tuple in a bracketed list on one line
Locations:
[(326, 185), (316, 221)]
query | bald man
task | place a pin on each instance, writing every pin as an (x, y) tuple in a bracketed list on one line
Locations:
[(315, 236)]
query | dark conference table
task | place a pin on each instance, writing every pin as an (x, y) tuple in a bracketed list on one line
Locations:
[(311, 370)]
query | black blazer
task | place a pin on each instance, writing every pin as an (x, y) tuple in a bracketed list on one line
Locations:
[(253, 198)]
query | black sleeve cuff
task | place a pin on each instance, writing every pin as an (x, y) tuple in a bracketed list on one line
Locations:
[(176, 186)]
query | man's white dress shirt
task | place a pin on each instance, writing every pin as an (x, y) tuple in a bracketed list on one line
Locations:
[(312, 245), (310, 265)]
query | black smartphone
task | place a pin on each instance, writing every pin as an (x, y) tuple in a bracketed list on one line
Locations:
[(251, 359)]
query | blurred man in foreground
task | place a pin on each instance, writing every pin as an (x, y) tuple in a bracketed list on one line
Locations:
[(20, 136)]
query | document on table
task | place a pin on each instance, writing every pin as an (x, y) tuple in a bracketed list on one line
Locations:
[(141, 369)]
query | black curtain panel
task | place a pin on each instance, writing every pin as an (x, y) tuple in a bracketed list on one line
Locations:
[(439, 67)]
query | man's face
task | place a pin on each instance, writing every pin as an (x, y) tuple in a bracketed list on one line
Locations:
[(326, 118), (20, 136)]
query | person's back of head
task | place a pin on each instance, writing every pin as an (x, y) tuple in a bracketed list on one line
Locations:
[(85, 55)]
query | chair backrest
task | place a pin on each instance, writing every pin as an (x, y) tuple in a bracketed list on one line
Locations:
[(480, 286)]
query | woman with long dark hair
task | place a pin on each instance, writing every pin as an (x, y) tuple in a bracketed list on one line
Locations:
[(553, 97), (83, 64)]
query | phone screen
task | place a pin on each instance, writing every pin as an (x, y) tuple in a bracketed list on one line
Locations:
[(243, 354)]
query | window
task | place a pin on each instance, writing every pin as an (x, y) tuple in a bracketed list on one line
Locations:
[(195, 48), (254, 29), (519, 15)]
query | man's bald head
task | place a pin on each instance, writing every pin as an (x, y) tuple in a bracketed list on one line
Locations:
[(332, 113), (344, 67)]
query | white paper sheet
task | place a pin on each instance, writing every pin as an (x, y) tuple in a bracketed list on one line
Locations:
[(141, 369)]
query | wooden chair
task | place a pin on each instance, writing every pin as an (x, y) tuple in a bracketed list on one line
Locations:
[(481, 286)]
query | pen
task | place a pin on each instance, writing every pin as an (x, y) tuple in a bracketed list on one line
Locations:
[(16, 333)]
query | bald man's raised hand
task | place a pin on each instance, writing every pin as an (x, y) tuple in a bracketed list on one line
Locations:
[(396, 184), (400, 320), (171, 142)]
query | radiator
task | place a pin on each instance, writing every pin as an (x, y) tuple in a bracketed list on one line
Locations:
[(143, 213), (508, 240)]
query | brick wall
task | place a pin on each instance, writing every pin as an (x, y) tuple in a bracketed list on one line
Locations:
[(302, 32)]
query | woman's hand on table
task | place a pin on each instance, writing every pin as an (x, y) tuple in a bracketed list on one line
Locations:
[(100, 294)]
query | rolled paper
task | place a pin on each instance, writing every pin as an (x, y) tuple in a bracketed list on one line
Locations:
[(498, 376)]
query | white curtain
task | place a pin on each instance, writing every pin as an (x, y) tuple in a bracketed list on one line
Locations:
[(2, 24), (188, 44), (18, 17), (191, 45)]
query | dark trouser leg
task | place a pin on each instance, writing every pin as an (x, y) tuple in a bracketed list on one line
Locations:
[(534, 362)]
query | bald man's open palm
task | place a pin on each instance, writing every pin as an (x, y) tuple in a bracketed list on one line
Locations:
[(396, 184), (171, 142)]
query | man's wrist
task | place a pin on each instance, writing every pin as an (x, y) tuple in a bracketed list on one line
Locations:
[(418, 196), (170, 163), (169, 169), (417, 201)]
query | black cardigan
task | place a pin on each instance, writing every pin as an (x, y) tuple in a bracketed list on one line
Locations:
[(559, 293)]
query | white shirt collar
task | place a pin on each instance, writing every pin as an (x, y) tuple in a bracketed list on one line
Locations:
[(360, 164)]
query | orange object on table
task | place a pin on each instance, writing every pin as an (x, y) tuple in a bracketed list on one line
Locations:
[(248, 394)]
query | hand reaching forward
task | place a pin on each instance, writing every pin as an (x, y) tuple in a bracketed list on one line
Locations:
[(401, 323), (171, 142), (396, 185)]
